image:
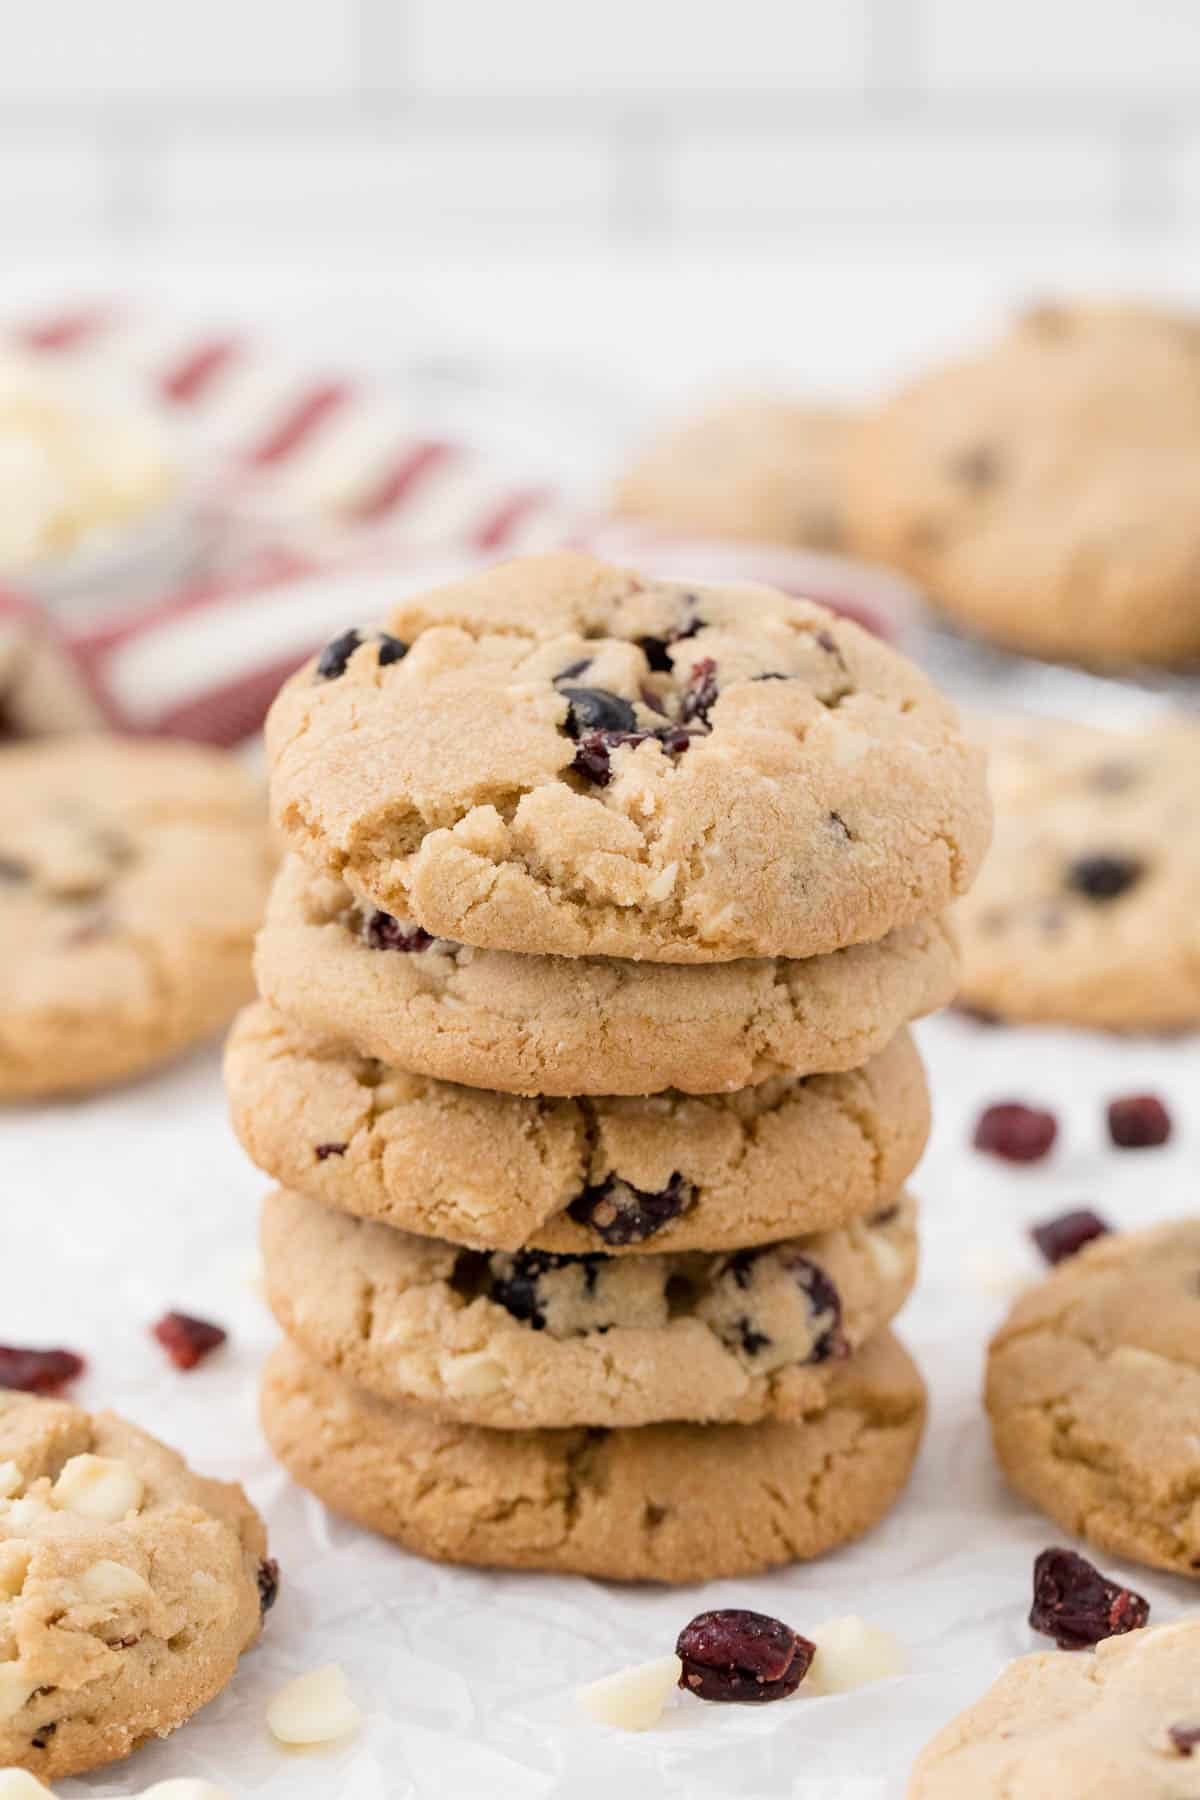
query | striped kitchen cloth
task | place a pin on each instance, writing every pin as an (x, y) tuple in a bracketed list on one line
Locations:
[(316, 505)]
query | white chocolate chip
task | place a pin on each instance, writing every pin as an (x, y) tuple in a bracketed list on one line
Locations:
[(632, 1699), (98, 1487), (314, 1709), (852, 1654), (14, 1566), (885, 1256), (11, 1480), (19, 1784), (109, 1583), (1147, 1362), (473, 1373), (22, 1514), (662, 884), (15, 1688), (996, 1272), (184, 1787)]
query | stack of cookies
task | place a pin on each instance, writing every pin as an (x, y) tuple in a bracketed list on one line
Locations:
[(581, 1059)]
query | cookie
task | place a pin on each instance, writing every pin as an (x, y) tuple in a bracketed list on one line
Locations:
[(493, 1172), (527, 1338), (1123, 1720), (1042, 491), (757, 467), (674, 1503), (1093, 1388), (129, 1587), (132, 879), (1088, 908), (585, 1025), (559, 757)]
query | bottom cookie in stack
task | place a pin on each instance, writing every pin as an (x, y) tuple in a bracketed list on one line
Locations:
[(668, 1502)]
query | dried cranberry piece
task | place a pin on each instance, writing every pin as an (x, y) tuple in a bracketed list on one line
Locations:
[(514, 1280), (1104, 878), (823, 1297), (595, 709), (1066, 1235), (322, 1151), (1078, 1606), (734, 1655), (187, 1340), (1138, 1122), (1184, 1738), (593, 757), (336, 655), (623, 1214), (38, 1371), (1017, 1132), (268, 1583), (391, 649), (701, 692), (386, 933)]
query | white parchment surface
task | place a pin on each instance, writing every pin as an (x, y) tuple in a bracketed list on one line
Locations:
[(118, 1207)]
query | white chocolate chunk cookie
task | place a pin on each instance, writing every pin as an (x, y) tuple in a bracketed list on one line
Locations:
[(129, 1587), (1093, 1388), (494, 1172), (1042, 491), (563, 758), (132, 879), (585, 1025), (1087, 910), (677, 1503), (535, 1339), (1121, 1722), (756, 467)]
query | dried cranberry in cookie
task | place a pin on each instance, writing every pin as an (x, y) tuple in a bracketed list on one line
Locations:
[(669, 805)]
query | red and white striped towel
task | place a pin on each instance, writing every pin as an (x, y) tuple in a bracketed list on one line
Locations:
[(319, 505)]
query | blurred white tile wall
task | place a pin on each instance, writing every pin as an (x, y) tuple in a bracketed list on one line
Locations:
[(392, 126)]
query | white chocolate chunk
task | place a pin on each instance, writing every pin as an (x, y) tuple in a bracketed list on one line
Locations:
[(184, 1787), (314, 1709), (23, 1514), (98, 1487), (475, 1372), (19, 1784), (15, 1688), (851, 1654), (632, 1699), (11, 1480), (111, 1583)]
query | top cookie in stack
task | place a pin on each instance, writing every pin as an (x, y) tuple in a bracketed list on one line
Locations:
[(584, 1070), (560, 758)]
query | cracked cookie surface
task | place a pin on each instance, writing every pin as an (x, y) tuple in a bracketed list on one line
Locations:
[(569, 760), (531, 1338), (129, 1587), (1123, 1719), (755, 467), (586, 1025), (1087, 910), (1042, 491), (1093, 1388), (674, 1503), (496, 1172), (132, 879)]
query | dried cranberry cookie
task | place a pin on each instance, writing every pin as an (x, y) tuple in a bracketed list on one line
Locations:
[(494, 1172), (129, 1587), (530, 1338), (588, 1024), (563, 758), (132, 879), (678, 1503)]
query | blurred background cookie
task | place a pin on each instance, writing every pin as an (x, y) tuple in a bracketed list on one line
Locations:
[(1043, 490), (760, 467)]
